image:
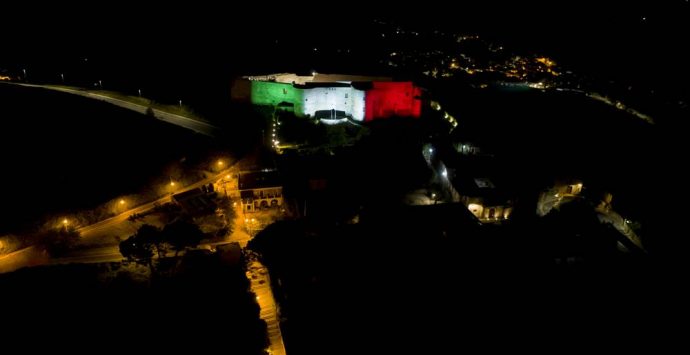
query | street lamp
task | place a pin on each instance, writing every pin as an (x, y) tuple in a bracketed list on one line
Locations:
[(25, 77), (62, 76), (172, 185), (120, 206)]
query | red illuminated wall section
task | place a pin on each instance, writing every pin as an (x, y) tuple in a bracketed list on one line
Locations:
[(386, 99)]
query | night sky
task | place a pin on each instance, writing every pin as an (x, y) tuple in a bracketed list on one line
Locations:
[(634, 41)]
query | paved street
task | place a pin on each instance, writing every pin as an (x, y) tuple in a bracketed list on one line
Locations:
[(185, 122), (261, 286), (102, 226), (22, 258)]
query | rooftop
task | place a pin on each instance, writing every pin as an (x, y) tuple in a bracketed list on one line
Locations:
[(259, 179), (292, 78)]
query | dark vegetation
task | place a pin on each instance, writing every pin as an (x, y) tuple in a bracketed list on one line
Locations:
[(199, 301)]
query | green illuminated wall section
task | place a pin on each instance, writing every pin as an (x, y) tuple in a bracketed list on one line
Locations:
[(271, 93)]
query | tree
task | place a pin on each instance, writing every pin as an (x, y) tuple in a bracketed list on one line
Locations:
[(135, 250), (226, 207), (153, 236), (336, 136), (57, 241), (139, 247), (9, 243), (182, 234)]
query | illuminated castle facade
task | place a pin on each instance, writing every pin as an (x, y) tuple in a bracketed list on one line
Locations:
[(331, 96)]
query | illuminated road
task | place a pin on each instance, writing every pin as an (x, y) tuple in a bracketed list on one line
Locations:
[(547, 201), (618, 222), (185, 122), (22, 258), (261, 286), (105, 224), (33, 257), (98, 227), (91, 255)]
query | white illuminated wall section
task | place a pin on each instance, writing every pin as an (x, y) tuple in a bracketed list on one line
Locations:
[(345, 99), (358, 104)]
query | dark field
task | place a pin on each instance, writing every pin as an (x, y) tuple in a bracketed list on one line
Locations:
[(61, 153)]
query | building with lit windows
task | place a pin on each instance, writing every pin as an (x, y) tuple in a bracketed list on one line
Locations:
[(328, 96), (260, 190)]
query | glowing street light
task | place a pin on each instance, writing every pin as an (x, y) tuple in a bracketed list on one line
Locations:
[(65, 221), (220, 163), (172, 186)]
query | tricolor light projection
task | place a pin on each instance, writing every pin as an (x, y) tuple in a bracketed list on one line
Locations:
[(338, 97), (386, 99), (275, 94), (311, 97)]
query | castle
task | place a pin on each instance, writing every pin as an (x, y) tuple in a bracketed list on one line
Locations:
[(330, 96)]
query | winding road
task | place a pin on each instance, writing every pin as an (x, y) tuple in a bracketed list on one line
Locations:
[(185, 122)]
